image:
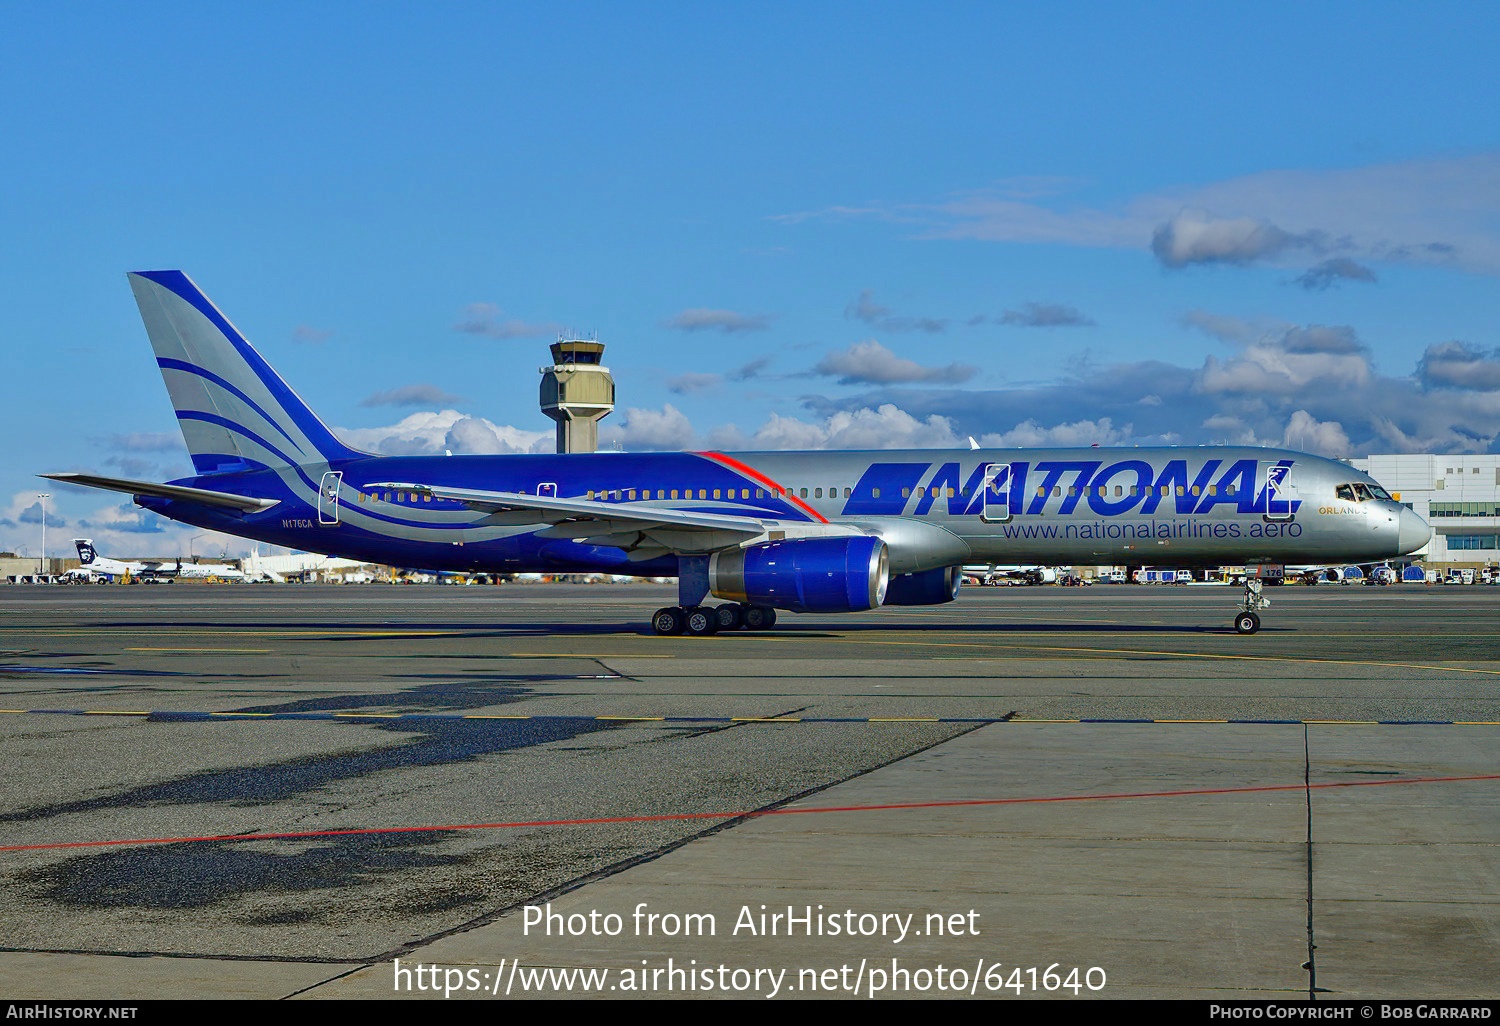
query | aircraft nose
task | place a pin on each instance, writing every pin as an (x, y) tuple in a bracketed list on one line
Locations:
[(1412, 532)]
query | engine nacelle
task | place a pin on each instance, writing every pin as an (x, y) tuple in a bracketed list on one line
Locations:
[(808, 575), (929, 588)]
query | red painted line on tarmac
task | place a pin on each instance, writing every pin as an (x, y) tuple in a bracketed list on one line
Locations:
[(736, 815)]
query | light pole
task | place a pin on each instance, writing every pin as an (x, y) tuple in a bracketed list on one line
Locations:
[(44, 496)]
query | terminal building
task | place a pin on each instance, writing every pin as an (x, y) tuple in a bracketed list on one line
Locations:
[(1458, 495)]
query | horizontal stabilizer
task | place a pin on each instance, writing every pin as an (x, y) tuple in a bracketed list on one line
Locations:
[(202, 496)]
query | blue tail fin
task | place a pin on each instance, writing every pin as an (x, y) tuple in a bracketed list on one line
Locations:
[(236, 412)]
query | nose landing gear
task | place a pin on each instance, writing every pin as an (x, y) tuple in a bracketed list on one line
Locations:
[(1248, 621)]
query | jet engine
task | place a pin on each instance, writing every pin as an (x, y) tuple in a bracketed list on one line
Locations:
[(808, 575), (929, 588)]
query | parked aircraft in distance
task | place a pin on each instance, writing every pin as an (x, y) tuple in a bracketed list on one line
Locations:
[(766, 531), (92, 564), (217, 571), (990, 573)]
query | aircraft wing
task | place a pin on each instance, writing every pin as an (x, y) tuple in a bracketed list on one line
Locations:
[(642, 531), (202, 496)]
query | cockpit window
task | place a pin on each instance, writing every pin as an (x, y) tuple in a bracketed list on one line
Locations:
[(1361, 492)]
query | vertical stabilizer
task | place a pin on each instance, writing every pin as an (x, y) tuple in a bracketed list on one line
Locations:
[(236, 412)]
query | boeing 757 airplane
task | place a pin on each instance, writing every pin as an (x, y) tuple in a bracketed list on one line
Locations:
[(827, 532)]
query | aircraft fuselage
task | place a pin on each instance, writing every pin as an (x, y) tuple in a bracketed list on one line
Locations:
[(1167, 506)]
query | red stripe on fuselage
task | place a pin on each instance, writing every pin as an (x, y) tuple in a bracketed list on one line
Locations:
[(751, 472)]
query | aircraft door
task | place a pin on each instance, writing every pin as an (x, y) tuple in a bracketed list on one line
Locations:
[(997, 483), (328, 497), (1280, 492)]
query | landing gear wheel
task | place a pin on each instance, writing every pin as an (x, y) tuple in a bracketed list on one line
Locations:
[(668, 621), (700, 620), (758, 618), (730, 618), (1246, 623)]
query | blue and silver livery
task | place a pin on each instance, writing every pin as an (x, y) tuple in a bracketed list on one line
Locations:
[(800, 531)]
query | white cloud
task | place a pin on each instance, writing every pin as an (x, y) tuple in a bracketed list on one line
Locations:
[(310, 336), (421, 394), (667, 429), (1305, 432), (1281, 359), (433, 431), (727, 321), (869, 362), (1078, 433), (1331, 272), (1046, 315), (148, 441), (683, 384), (866, 309), (485, 319), (1440, 211), (1195, 237), (1460, 365)]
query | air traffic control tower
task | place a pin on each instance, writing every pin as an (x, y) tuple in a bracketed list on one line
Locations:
[(577, 392)]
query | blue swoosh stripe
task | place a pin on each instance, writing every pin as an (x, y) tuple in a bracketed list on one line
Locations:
[(189, 368), (307, 422), (224, 422)]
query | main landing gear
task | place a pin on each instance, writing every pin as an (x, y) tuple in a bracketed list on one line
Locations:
[(1248, 621), (700, 620)]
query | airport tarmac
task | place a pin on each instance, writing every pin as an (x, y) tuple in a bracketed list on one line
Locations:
[(278, 791)]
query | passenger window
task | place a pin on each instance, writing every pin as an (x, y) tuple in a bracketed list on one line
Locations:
[(817, 493), (1181, 490), (674, 493), (1195, 489), (716, 492), (874, 493), (1229, 489), (1120, 490), (1135, 489), (846, 493), (906, 493), (760, 493), (804, 493), (1040, 492), (1072, 492), (950, 493), (1057, 491)]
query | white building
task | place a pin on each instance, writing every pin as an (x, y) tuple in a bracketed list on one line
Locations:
[(1458, 495)]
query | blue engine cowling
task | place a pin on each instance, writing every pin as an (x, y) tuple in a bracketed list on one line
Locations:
[(929, 588), (809, 575)]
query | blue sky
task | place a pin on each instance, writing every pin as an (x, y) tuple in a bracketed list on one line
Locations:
[(800, 225)]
